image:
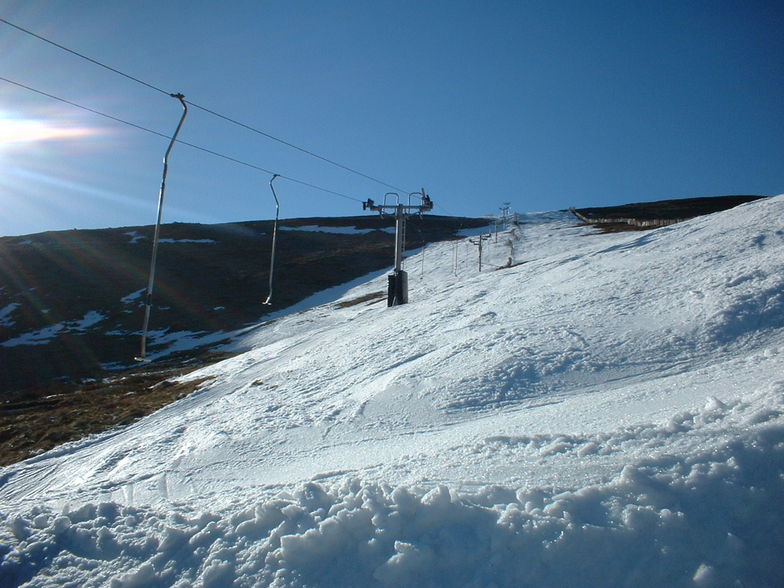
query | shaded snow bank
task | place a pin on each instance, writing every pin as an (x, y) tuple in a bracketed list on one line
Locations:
[(710, 519)]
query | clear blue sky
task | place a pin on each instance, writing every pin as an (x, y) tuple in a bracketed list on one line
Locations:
[(544, 104)]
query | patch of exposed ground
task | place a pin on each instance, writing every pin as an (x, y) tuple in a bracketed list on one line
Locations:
[(372, 298), (39, 422), (644, 216)]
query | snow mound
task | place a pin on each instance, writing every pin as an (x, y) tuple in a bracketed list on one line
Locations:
[(664, 521)]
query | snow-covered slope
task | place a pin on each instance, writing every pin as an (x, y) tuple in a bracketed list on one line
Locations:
[(606, 410)]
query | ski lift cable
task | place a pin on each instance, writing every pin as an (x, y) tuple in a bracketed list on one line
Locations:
[(90, 59), (274, 238), (165, 136), (156, 234), (298, 148), (200, 107), (328, 191), (109, 116)]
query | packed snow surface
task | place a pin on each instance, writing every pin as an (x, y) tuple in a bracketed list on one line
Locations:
[(589, 410)]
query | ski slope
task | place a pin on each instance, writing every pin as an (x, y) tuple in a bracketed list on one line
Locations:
[(588, 410)]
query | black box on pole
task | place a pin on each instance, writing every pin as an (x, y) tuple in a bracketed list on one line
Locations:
[(397, 291)]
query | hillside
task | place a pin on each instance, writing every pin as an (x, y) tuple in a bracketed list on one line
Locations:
[(66, 379), (591, 409), (649, 215), (71, 301)]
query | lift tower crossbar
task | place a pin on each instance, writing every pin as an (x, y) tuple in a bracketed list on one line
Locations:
[(397, 292)]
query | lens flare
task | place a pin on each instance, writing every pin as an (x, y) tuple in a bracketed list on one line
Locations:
[(15, 130)]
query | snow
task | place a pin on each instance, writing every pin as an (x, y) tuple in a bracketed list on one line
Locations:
[(135, 236), (46, 334), (337, 230), (320, 298), (6, 312), (475, 231), (133, 296), (92, 317), (167, 342), (607, 411), (187, 241)]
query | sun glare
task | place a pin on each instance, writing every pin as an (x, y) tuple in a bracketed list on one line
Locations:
[(21, 130)]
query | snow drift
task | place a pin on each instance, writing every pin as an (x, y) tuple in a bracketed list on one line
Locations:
[(591, 410)]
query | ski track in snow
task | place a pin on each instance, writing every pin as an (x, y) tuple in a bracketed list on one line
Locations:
[(606, 411)]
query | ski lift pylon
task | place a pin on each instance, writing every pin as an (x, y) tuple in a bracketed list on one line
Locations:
[(274, 238)]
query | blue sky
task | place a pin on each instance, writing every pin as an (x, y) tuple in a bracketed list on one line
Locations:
[(543, 104)]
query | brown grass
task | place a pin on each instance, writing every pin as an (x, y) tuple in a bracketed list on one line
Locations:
[(30, 427)]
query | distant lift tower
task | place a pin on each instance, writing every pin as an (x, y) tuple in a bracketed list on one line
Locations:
[(397, 291)]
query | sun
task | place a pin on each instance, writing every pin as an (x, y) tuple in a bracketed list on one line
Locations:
[(38, 181), (14, 130)]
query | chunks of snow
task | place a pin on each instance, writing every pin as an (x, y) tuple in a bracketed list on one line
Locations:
[(707, 518)]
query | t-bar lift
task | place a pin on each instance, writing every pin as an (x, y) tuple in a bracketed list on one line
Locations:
[(397, 291), (268, 301), (155, 240)]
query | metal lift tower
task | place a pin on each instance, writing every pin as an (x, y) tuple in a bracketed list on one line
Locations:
[(397, 291)]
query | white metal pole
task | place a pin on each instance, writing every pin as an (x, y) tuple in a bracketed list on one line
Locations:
[(156, 235), (274, 238)]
